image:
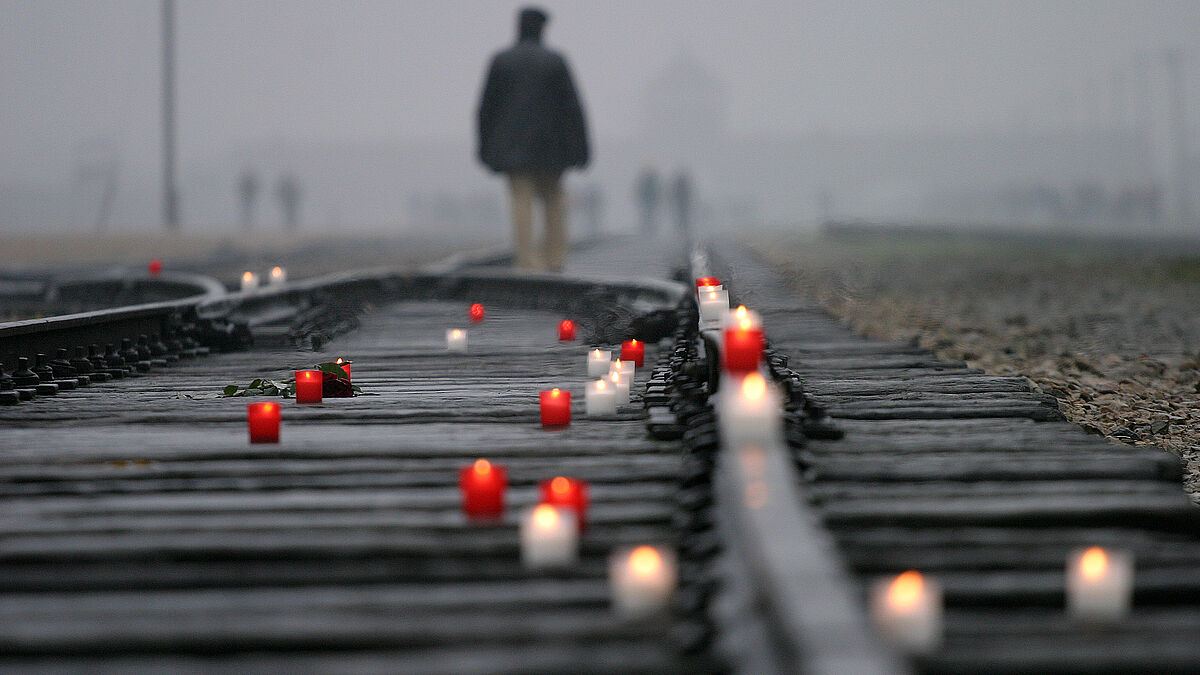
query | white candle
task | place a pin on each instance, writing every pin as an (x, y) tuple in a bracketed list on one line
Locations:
[(641, 580), (549, 537), (278, 275), (456, 340), (597, 362), (1099, 585), (626, 368), (907, 611), (714, 305), (743, 319), (749, 411), (600, 398), (620, 384), (249, 281)]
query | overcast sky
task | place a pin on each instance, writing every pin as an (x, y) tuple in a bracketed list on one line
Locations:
[(72, 72)]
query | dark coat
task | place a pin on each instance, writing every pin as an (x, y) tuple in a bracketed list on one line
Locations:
[(530, 117)]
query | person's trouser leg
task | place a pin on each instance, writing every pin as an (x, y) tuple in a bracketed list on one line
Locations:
[(521, 187), (554, 245)]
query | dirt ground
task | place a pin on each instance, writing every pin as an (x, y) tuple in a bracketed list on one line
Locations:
[(224, 256), (1110, 327)]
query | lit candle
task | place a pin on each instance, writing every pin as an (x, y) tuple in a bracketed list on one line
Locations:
[(714, 305), (907, 611), (570, 493), (482, 485), (744, 318), (623, 367), (263, 420), (641, 581), (249, 281), (741, 348), (456, 340), (620, 384), (345, 366), (475, 313), (566, 330), (556, 407), (597, 362), (549, 537), (748, 411), (154, 267), (600, 398), (633, 350), (278, 275), (1099, 585), (309, 384)]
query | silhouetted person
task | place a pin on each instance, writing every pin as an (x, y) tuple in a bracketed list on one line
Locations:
[(648, 194), (247, 189), (681, 201), (531, 127), (289, 194)]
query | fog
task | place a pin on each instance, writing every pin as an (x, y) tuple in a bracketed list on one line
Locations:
[(1061, 114)]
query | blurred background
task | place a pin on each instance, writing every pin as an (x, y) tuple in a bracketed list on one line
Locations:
[(355, 117)]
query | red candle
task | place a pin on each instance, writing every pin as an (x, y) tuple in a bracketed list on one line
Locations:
[(633, 350), (476, 313), (566, 330), (707, 281), (482, 485), (742, 349), (556, 407), (309, 384), (345, 366), (263, 419), (154, 267), (571, 493)]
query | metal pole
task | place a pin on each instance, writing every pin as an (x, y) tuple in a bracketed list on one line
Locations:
[(1179, 138), (170, 195)]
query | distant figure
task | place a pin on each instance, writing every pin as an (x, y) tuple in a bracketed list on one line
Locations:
[(289, 194), (681, 201), (247, 189), (648, 194), (531, 127), (589, 201)]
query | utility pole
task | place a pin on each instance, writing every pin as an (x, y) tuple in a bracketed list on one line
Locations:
[(1179, 138), (170, 194)]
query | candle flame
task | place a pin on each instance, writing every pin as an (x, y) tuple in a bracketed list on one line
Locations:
[(754, 387), (616, 377), (745, 323), (560, 485), (555, 392), (268, 407), (483, 467), (597, 354), (600, 384), (545, 517), (247, 276), (456, 333), (276, 272), (633, 342), (645, 562), (906, 590), (339, 361), (740, 311), (617, 364), (1093, 564)]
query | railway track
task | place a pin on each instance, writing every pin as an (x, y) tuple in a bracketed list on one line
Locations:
[(143, 534)]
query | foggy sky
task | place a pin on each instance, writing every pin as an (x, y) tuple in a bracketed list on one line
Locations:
[(73, 72)]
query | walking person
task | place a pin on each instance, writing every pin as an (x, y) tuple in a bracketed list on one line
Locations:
[(531, 128)]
